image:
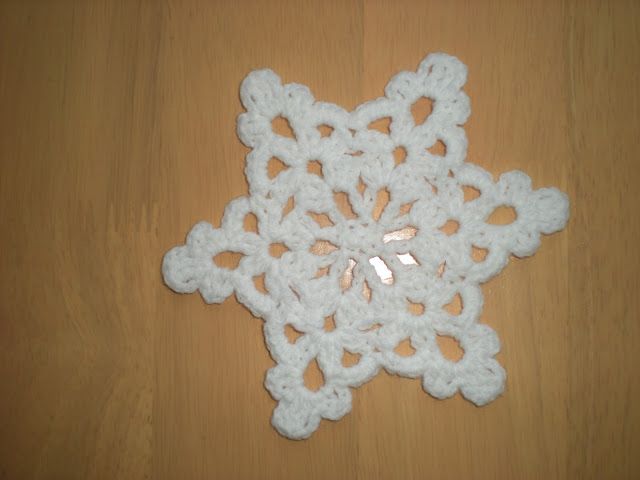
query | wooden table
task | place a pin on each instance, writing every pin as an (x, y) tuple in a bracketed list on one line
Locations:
[(118, 134)]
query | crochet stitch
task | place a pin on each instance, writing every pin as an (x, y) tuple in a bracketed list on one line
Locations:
[(350, 269)]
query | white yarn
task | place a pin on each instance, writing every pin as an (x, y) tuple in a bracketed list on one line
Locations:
[(298, 297)]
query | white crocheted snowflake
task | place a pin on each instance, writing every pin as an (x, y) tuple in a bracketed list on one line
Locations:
[(362, 268)]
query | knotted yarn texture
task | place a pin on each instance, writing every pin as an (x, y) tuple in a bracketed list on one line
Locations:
[(347, 270)]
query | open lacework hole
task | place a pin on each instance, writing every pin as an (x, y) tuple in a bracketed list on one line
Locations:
[(329, 324), (347, 277), (361, 187), (438, 149), (250, 223), (405, 208), (321, 219), (502, 215), (382, 125), (400, 155), (421, 110), (349, 359), (323, 247), (450, 347), (259, 283), (407, 259), (415, 308), (366, 291), (282, 127), (322, 272), (450, 227), (288, 207), (228, 260), (470, 193), (325, 130), (276, 250), (291, 333), (313, 377), (403, 234), (479, 254), (275, 167), (342, 202), (455, 306), (315, 167), (404, 348), (382, 270), (382, 200)]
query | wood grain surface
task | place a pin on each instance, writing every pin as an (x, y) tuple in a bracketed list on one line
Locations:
[(117, 134)]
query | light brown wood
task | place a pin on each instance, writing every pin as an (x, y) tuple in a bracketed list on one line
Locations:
[(117, 134)]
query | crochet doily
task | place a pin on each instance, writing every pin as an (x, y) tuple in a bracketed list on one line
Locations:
[(363, 238)]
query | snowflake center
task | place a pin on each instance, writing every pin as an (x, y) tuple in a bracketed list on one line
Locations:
[(361, 238)]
